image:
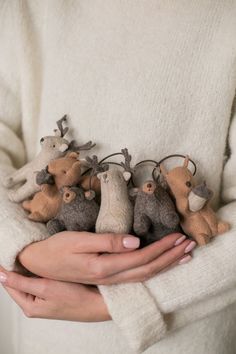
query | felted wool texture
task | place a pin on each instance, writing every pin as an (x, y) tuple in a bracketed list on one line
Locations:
[(159, 78), (155, 215), (45, 204), (116, 211), (76, 214), (203, 224)]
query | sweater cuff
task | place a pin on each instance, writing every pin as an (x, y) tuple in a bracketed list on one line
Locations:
[(15, 235), (135, 312), (16, 230)]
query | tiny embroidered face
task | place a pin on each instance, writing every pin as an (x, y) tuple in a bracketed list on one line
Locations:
[(114, 178), (54, 143), (179, 179), (66, 171)]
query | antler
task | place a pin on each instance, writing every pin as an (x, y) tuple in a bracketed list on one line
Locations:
[(74, 147), (61, 131), (128, 159), (95, 166)]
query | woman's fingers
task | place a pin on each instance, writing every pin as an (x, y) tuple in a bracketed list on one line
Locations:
[(106, 265), (147, 271), (33, 286), (86, 242)]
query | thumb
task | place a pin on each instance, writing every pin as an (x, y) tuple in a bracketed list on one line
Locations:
[(111, 243)]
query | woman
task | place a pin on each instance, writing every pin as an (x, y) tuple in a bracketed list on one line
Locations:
[(159, 78)]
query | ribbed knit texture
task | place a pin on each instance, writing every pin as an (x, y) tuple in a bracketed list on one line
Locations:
[(158, 77)]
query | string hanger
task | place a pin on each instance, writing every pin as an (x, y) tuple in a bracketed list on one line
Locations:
[(158, 163), (178, 155), (102, 166)]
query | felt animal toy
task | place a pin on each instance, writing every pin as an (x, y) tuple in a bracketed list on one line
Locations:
[(65, 171), (52, 147), (203, 223), (116, 211), (155, 215), (78, 212)]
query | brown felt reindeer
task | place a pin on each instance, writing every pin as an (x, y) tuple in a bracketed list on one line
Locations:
[(201, 224), (59, 173), (45, 204)]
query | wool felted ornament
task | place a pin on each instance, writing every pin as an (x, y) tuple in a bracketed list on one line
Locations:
[(78, 212), (52, 147), (116, 211), (45, 204), (155, 215), (202, 224)]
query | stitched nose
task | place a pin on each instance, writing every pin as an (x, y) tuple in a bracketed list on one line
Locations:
[(149, 185)]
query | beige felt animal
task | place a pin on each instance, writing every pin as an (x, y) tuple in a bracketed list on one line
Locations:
[(201, 224), (52, 147), (65, 171), (116, 211)]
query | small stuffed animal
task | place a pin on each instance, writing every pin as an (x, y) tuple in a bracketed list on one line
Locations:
[(52, 147), (78, 212), (45, 204), (116, 211), (154, 213), (203, 223)]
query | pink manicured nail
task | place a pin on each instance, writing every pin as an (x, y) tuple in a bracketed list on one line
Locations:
[(190, 247), (186, 259), (180, 240), (3, 278), (131, 242)]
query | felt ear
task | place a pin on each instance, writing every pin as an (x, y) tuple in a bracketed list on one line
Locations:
[(163, 170), (63, 147), (72, 155), (127, 176), (89, 195), (76, 165), (186, 161)]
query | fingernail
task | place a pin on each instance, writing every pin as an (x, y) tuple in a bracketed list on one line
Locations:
[(190, 247), (131, 242), (3, 278), (180, 240), (186, 259)]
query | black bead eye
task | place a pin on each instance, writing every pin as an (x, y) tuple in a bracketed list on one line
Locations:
[(41, 140), (188, 184), (54, 146)]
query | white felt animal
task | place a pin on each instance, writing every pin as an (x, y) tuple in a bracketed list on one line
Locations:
[(116, 211), (22, 183)]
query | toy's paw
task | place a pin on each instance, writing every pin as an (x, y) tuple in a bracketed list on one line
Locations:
[(223, 227), (203, 239), (12, 196), (8, 182)]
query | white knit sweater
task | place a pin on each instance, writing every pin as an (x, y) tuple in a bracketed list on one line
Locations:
[(155, 76)]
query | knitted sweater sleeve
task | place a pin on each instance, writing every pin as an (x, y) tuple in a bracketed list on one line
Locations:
[(185, 293), (15, 230)]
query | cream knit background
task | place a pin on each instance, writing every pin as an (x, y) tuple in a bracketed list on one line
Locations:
[(158, 77)]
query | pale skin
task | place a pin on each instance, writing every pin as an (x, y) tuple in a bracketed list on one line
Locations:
[(70, 263)]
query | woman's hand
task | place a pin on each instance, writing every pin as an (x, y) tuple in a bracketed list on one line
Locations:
[(44, 298), (89, 258)]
